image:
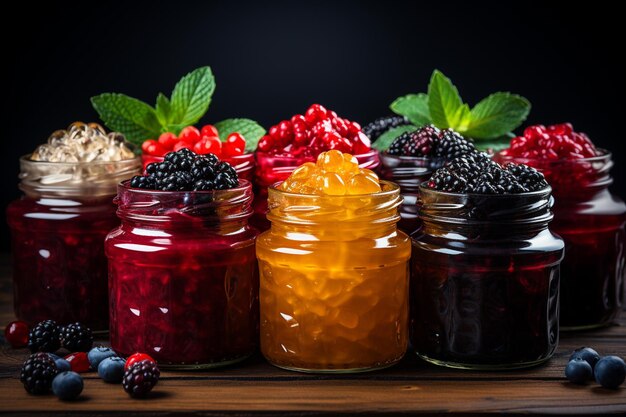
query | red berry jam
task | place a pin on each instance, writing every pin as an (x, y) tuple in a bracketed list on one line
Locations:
[(16, 334), (57, 233), (590, 219), (183, 276), (485, 280)]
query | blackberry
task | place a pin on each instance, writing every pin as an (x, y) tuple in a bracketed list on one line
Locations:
[(140, 378), (44, 337), (398, 144), (203, 169), (446, 180), (178, 181), (139, 181), (452, 145), (37, 373), (203, 185), (76, 338), (181, 159), (528, 177), (379, 126)]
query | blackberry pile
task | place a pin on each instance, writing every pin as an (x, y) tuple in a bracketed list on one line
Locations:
[(76, 338), (430, 141), (379, 126), (185, 170), (37, 373), (477, 173), (44, 337)]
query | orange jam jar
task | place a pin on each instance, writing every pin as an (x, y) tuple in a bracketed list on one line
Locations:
[(334, 275)]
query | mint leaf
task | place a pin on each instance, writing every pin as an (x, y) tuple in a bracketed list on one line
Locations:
[(163, 109), (175, 128), (496, 144), (384, 141), (414, 107), (463, 118), (250, 130), (444, 101), (121, 113), (192, 95), (497, 114)]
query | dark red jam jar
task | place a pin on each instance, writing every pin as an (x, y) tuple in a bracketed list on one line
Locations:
[(243, 164), (408, 172), (591, 220), (271, 169), (183, 276), (57, 233), (485, 280)]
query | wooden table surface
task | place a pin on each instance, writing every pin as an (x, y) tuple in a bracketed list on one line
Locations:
[(256, 388)]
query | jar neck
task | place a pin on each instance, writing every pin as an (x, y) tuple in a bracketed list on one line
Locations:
[(221, 211), (335, 217)]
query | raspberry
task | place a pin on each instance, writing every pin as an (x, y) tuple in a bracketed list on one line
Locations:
[(381, 125), (44, 337), (37, 373), (140, 378), (76, 338)]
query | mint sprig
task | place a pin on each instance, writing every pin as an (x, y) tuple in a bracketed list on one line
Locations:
[(189, 101), (489, 123)]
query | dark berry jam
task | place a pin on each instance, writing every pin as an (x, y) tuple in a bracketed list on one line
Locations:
[(57, 234), (271, 169), (243, 164), (183, 276), (485, 280), (591, 220)]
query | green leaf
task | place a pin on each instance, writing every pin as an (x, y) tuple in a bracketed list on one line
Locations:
[(384, 141), (175, 128), (414, 107), (134, 118), (496, 144), (250, 130), (463, 118), (192, 95), (444, 101), (497, 114), (163, 109)]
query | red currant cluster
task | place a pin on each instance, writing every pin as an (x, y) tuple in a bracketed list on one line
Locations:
[(202, 142), (552, 142), (315, 131)]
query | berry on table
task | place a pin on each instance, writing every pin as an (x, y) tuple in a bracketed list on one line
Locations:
[(578, 371), (137, 357), (44, 337), (37, 373), (610, 371), (98, 354), (76, 337), (112, 369), (587, 354), (16, 334), (140, 378), (62, 364), (79, 362), (67, 385)]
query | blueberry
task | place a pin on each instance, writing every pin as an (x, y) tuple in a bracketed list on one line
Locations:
[(578, 371), (112, 369), (610, 371), (587, 354), (62, 365), (67, 385), (98, 354)]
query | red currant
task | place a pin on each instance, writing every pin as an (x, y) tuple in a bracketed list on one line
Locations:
[(137, 357), (265, 144), (190, 134), (168, 140), (315, 113), (152, 147), (361, 144), (210, 144), (16, 334), (209, 130), (230, 149), (79, 362), (237, 140)]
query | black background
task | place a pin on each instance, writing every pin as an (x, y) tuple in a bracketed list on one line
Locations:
[(271, 60)]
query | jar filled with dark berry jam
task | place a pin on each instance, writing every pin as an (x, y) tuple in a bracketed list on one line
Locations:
[(485, 279), (591, 220), (57, 233), (183, 276)]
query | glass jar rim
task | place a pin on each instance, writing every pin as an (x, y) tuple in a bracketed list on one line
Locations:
[(392, 188), (125, 185), (26, 160), (545, 190)]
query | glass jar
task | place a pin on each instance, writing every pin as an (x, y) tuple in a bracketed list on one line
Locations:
[(183, 277), (57, 233), (408, 172), (485, 280), (243, 164), (334, 281), (591, 220), (271, 169)]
